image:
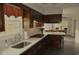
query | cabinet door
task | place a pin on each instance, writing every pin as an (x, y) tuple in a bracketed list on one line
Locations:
[(54, 41), (37, 17), (2, 24), (56, 18)]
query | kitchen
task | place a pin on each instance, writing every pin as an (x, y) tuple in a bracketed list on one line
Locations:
[(28, 30)]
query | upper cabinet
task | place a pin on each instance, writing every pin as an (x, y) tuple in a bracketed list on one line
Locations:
[(2, 24), (55, 18), (37, 18)]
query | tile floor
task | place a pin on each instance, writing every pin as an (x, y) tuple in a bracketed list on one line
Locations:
[(69, 48)]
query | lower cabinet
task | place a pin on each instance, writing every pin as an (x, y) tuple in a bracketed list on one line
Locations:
[(37, 49), (50, 41), (54, 41)]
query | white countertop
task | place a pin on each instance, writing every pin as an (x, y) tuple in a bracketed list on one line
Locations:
[(15, 51), (54, 33)]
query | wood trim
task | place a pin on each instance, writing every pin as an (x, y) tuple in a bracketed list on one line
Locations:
[(2, 17)]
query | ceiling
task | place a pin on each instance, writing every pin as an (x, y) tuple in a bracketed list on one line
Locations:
[(55, 5), (56, 8)]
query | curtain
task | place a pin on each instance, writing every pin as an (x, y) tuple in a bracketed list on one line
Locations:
[(11, 10)]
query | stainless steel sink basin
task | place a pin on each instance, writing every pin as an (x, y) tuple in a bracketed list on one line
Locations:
[(21, 45), (37, 36)]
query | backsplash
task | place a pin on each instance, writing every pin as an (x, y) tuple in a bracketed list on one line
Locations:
[(31, 32), (9, 39)]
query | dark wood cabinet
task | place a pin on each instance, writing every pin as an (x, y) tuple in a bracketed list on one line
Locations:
[(2, 23), (55, 18), (54, 41), (50, 41), (38, 49), (36, 16)]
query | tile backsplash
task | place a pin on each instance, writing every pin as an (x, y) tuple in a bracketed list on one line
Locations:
[(10, 39), (31, 32)]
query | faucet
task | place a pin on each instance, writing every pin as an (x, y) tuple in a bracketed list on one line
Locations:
[(41, 29)]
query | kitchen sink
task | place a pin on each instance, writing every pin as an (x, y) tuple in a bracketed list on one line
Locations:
[(37, 36), (21, 45)]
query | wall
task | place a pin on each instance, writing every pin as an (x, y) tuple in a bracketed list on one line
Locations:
[(69, 32), (71, 13), (77, 30), (31, 32), (52, 26), (77, 35), (71, 27), (64, 23)]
